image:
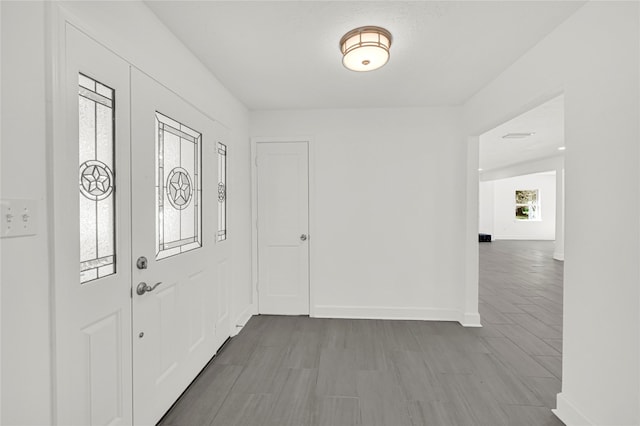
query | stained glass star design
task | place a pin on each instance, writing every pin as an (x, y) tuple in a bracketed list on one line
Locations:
[(179, 188), (95, 180), (222, 192)]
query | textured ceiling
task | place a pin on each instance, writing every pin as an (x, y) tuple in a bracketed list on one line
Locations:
[(284, 55), (546, 121)]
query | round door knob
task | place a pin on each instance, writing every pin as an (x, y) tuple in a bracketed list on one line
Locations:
[(303, 237)]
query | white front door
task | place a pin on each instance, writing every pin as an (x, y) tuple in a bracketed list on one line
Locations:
[(283, 222), (92, 238), (123, 356), (174, 208)]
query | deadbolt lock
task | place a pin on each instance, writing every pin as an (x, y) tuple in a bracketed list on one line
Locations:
[(142, 262)]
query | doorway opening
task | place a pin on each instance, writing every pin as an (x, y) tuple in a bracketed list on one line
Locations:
[(521, 214)]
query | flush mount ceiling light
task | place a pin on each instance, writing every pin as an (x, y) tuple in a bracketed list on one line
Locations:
[(365, 48)]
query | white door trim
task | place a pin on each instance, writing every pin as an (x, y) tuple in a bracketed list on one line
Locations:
[(254, 214)]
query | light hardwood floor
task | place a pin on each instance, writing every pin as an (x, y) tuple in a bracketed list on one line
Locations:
[(303, 371)]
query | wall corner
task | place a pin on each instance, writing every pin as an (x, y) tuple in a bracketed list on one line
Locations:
[(568, 413), (470, 319)]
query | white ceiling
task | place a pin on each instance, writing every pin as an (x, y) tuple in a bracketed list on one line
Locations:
[(284, 54), (546, 120)]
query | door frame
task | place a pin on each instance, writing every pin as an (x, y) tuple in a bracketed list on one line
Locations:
[(254, 213)]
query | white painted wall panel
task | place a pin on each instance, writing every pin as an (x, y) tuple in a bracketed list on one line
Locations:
[(486, 207), (594, 58), (497, 207), (26, 373), (386, 231)]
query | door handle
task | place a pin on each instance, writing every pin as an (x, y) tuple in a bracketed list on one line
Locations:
[(303, 237), (144, 287)]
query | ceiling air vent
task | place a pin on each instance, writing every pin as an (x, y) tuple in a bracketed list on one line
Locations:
[(518, 135)]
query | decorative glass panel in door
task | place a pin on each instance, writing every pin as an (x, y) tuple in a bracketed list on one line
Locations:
[(96, 179), (222, 192), (178, 186)]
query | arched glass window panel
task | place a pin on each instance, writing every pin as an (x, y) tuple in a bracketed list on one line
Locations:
[(96, 179), (178, 188)]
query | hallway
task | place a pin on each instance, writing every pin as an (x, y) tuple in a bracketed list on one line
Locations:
[(306, 371)]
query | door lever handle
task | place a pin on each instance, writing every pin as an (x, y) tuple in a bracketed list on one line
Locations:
[(303, 237), (144, 287)]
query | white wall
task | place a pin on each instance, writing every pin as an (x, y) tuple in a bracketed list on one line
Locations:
[(386, 239), (26, 372), (593, 57), (558, 250), (486, 208), (497, 208), (25, 338), (526, 168)]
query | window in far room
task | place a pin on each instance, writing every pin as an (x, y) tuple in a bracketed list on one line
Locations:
[(527, 204)]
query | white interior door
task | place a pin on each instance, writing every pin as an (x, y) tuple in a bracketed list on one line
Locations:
[(92, 238), (283, 223), (176, 295)]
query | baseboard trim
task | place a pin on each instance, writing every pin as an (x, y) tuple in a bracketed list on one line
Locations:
[(523, 238), (242, 319), (558, 255), (387, 313), (568, 413), (470, 319)]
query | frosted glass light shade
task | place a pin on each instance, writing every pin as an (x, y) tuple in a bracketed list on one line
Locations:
[(365, 48)]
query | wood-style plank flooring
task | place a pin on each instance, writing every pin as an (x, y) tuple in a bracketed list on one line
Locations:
[(303, 371)]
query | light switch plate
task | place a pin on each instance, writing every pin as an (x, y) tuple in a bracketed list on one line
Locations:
[(18, 218)]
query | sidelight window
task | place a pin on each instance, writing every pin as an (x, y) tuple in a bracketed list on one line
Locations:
[(222, 192), (96, 178)]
